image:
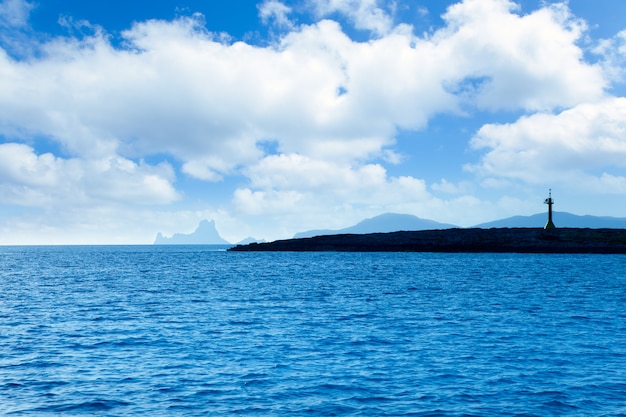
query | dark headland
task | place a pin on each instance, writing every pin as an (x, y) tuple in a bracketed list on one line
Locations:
[(516, 240)]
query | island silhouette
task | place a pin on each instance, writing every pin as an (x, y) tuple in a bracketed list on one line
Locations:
[(520, 240), (485, 238), (205, 234), (405, 232)]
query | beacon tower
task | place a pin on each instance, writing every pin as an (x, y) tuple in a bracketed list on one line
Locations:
[(549, 201)]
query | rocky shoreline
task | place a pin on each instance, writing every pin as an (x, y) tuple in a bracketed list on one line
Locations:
[(515, 240)]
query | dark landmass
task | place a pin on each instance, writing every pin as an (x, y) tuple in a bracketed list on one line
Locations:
[(516, 240)]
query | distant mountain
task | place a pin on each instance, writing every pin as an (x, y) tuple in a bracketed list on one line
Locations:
[(205, 234), (249, 240), (388, 222), (561, 219)]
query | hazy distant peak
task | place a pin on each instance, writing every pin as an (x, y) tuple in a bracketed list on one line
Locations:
[(561, 219), (205, 234), (249, 240), (383, 223)]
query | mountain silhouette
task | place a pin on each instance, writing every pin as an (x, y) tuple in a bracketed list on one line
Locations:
[(384, 223), (393, 222), (249, 240), (561, 219), (205, 234)]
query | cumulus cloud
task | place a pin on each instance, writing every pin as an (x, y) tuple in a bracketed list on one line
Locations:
[(504, 60), (296, 171), (176, 88), (332, 105), (566, 147), (30, 179), (298, 184)]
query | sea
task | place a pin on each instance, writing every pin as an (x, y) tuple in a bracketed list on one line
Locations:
[(199, 331)]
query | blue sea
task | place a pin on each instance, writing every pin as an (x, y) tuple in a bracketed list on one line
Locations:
[(194, 331)]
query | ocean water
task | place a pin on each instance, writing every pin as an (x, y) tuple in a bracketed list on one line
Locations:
[(191, 331)]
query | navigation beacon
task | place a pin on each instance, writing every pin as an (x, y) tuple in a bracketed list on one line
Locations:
[(549, 201)]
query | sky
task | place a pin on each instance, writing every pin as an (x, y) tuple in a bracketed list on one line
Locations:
[(119, 120)]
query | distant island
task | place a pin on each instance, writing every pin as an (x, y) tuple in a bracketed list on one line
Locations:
[(205, 234), (474, 240), (499, 236)]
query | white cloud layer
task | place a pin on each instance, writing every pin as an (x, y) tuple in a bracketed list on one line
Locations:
[(566, 147), (28, 179), (501, 60), (332, 106), (331, 184), (176, 89)]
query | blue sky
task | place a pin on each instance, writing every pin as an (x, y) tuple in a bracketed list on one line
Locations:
[(119, 120)]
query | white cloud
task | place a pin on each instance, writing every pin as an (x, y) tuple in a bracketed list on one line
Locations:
[(302, 188), (296, 193), (29, 179), (178, 90), (331, 105), (364, 14), (15, 13), (422, 11), (202, 171), (502, 60), (613, 55), (271, 202), (276, 11), (345, 183), (184, 94), (610, 184), (567, 147), (447, 187)]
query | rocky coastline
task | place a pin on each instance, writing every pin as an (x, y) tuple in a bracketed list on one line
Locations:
[(474, 240)]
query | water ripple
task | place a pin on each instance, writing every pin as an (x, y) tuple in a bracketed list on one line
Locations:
[(125, 331)]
